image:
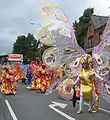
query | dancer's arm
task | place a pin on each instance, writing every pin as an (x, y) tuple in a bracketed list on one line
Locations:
[(77, 80), (98, 76)]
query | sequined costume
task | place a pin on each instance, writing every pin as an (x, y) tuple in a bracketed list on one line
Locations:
[(87, 84), (9, 84)]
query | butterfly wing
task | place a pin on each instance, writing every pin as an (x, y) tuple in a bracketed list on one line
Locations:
[(65, 49), (101, 58)]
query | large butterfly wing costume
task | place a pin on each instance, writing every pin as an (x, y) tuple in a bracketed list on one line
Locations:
[(101, 58), (58, 34)]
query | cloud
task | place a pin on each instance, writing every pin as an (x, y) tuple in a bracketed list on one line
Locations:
[(16, 16)]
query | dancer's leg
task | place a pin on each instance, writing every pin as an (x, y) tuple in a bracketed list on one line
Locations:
[(92, 101), (81, 102)]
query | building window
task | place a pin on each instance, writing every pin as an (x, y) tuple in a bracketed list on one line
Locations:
[(90, 42), (90, 27)]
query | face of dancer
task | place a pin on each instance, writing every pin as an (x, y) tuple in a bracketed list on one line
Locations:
[(43, 67), (85, 65)]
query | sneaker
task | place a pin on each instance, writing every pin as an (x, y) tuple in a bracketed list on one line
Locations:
[(14, 92), (92, 111), (79, 111)]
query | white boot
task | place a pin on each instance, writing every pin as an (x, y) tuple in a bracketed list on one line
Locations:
[(81, 103)]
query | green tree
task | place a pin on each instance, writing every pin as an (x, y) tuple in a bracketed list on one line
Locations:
[(26, 45), (82, 25), (40, 51)]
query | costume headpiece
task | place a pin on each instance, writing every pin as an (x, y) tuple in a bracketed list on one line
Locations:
[(86, 58)]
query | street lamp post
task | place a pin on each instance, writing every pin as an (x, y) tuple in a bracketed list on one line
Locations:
[(37, 24)]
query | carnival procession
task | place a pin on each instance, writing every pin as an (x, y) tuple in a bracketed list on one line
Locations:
[(65, 70), (37, 77)]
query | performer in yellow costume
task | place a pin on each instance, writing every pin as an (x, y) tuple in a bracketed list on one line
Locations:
[(87, 84)]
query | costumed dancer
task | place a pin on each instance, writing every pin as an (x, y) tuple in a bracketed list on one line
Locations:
[(9, 82), (87, 84), (3, 79), (33, 74), (48, 76), (29, 76), (0, 76), (42, 79)]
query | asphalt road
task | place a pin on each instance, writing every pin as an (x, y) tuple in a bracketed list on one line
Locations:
[(30, 105)]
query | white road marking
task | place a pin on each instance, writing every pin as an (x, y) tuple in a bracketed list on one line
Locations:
[(11, 110), (107, 111), (62, 105)]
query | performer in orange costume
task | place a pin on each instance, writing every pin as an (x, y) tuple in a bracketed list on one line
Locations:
[(42, 79), (9, 85)]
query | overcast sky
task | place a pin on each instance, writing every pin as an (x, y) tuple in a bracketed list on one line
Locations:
[(16, 16)]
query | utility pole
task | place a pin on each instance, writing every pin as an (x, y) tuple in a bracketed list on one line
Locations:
[(38, 24)]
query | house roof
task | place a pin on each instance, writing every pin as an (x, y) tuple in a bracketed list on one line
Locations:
[(99, 21)]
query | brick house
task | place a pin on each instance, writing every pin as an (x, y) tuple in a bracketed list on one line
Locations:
[(94, 32)]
